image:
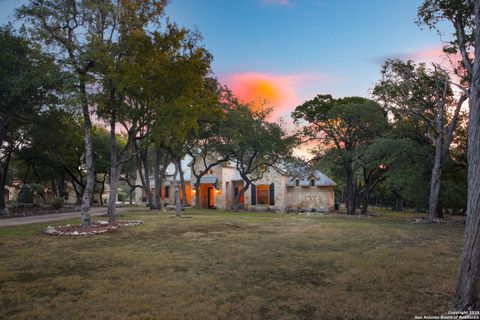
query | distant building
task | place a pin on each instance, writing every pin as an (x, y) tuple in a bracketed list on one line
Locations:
[(12, 191)]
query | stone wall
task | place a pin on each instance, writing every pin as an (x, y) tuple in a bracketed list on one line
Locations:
[(318, 198), (280, 182)]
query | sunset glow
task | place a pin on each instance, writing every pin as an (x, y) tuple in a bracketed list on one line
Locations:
[(280, 92), (262, 90)]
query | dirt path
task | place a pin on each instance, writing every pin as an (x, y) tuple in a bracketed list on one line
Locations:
[(53, 217)]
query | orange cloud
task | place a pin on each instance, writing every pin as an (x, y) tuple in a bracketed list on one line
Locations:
[(268, 90)]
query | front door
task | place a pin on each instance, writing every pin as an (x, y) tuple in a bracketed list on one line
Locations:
[(210, 197)]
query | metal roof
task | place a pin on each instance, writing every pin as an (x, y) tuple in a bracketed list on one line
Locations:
[(208, 180), (321, 180)]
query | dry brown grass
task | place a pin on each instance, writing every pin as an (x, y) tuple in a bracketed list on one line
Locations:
[(218, 265)]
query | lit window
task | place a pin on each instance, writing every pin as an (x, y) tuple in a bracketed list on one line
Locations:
[(297, 183), (263, 191)]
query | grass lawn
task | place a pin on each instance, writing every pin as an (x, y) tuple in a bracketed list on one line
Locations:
[(220, 265)]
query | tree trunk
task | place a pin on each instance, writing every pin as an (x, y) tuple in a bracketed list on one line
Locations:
[(114, 170), (142, 160), (61, 185), (178, 206), (467, 296), (240, 193), (182, 184), (366, 201), (78, 193), (197, 192), (433, 213), (468, 288), (159, 176), (102, 189), (350, 189), (87, 127), (55, 192), (3, 205), (3, 181)]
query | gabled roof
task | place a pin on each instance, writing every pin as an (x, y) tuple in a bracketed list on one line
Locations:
[(304, 173), (321, 180)]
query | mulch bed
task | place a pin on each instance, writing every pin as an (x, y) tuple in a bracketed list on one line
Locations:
[(95, 228)]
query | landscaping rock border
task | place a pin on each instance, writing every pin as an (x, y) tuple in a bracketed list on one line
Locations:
[(98, 227)]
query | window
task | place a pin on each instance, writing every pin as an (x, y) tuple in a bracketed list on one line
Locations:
[(312, 183), (263, 191), (297, 183), (167, 192)]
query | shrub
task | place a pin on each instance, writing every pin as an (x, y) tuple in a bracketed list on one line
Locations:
[(122, 196), (57, 203), (26, 194), (30, 193)]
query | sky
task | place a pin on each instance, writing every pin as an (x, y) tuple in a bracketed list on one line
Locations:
[(283, 52), (287, 51)]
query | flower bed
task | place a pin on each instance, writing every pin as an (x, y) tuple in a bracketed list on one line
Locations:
[(95, 228)]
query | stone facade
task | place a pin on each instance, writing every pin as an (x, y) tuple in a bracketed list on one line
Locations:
[(319, 197), (276, 191)]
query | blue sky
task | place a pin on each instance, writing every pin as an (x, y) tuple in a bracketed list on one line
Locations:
[(294, 49), (342, 42)]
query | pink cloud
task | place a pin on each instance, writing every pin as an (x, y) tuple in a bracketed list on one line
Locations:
[(433, 55), (428, 54), (281, 92)]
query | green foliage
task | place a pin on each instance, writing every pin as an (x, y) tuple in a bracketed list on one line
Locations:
[(28, 78), (122, 196), (29, 193), (30, 84), (260, 144), (460, 14), (57, 203), (345, 122), (411, 91), (346, 129)]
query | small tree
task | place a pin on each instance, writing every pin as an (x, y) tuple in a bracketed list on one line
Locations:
[(28, 81), (214, 142), (64, 27), (424, 96), (260, 145), (347, 124)]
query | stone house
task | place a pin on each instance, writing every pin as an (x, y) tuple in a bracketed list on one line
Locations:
[(277, 190)]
